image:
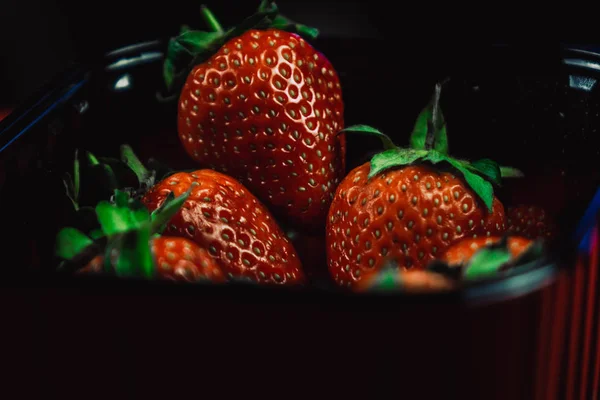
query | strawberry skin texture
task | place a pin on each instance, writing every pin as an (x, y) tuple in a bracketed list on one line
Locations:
[(408, 215), (462, 251), (221, 215), (265, 109), (176, 259), (530, 222)]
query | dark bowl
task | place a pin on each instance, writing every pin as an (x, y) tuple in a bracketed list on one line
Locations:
[(535, 110)]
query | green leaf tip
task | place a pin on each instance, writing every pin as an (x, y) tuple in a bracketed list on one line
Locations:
[(125, 215), (170, 206), (497, 257), (367, 130), (146, 178), (487, 262), (70, 242), (511, 172), (210, 19)]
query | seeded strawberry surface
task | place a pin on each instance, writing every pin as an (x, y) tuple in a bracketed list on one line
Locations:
[(222, 216), (530, 222), (265, 109), (463, 250), (176, 259), (408, 215)]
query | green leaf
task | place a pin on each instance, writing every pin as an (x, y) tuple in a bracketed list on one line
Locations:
[(71, 242), (510, 172), (195, 42), (92, 160), (163, 214), (394, 158), (285, 24), (488, 168), (121, 198), (134, 254), (133, 162), (429, 131), (114, 219), (370, 131), (487, 262), (482, 188), (388, 279), (210, 19)]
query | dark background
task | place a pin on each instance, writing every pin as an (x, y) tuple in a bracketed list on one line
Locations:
[(40, 38)]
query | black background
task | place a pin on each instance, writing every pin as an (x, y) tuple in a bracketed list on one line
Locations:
[(40, 38)]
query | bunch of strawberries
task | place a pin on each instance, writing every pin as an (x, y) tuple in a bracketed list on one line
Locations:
[(261, 112)]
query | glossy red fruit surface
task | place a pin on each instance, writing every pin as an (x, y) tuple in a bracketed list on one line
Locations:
[(266, 109), (176, 259), (221, 215), (462, 251), (531, 222), (407, 216)]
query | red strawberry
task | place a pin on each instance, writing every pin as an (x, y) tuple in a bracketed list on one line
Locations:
[(132, 245), (222, 216), (530, 222), (266, 109), (490, 257), (462, 251), (413, 281), (176, 259), (409, 205)]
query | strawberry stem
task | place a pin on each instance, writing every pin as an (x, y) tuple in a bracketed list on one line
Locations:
[(210, 19)]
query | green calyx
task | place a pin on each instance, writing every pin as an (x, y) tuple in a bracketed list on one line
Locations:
[(429, 144), (193, 47), (93, 169), (497, 257), (488, 261), (127, 227)]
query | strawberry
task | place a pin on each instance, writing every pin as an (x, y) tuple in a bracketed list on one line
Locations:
[(470, 258), (412, 281), (530, 222), (409, 205), (223, 216), (176, 259), (462, 251), (266, 109), (133, 245)]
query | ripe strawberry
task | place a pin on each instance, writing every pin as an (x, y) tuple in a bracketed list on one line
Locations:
[(409, 205), (132, 245), (530, 222), (176, 259), (413, 281), (266, 109), (462, 251), (222, 216), (478, 258)]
